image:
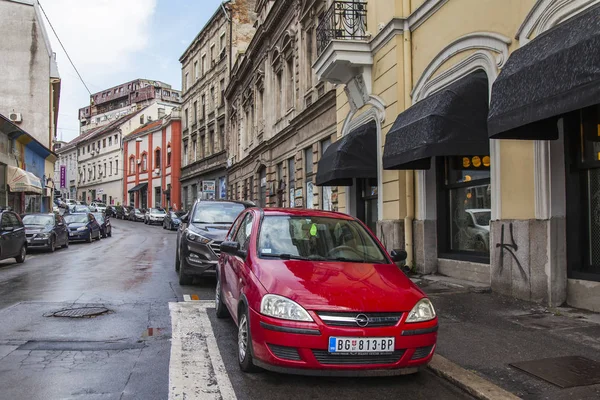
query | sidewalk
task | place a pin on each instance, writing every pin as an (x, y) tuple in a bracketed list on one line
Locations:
[(484, 332)]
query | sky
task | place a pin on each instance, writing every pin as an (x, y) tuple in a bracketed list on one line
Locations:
[(115, 41)]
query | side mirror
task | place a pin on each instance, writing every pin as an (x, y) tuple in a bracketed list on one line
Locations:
[(399, 256), (185, 218), (232, 248)]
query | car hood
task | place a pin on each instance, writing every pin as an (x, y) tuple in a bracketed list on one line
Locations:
[(337, 286), (37, 229), (157, 215), (76, 225), (215, 232)]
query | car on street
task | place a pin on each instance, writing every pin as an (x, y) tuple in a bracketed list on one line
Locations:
[(478, 228), (136, 215), (200, 234), (105, 226), (314, 292), (83, 226), (154, 216), (172, 220), (78, 209), (110, 211), (13, 243), (45, 231), (71, 202), (97, 207)]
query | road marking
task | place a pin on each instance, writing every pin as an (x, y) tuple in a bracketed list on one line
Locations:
[(196, 369), (193, 297)]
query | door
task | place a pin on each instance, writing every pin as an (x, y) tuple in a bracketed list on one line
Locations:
[(366, 202), (7, 240), (237, 264)]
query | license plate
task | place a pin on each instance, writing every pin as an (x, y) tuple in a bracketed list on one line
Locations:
[(342, 345), (71, 233)]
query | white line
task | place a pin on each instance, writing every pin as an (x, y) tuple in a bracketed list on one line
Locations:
[(196, 369), (186, 297)]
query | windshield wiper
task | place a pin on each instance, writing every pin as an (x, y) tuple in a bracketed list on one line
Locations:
[(345, 259), (286, 256)]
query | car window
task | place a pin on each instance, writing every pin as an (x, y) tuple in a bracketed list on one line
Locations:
[(243, 234), (234, 227), (76, 218), (216, 213), (5, 221), (15, 220)]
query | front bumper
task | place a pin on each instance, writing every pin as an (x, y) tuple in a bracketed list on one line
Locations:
[(34, 242), (200, 259), (301, 348), (79, 235)]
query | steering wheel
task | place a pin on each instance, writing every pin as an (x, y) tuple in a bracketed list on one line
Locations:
[(342, 248)]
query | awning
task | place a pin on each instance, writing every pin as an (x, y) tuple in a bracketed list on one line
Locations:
[(451, 122), (352, 156), (21, 181), (138, 187), (555, 73)]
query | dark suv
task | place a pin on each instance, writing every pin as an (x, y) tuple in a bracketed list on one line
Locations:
[(200, 234), (13, 243)]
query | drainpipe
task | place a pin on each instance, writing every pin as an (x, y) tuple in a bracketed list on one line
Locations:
[(410, 175), (229, 19)]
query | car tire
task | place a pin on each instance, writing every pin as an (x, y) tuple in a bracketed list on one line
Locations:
[(103, 234), (52, 244), (220, 308), (22, 255), (110, 233), (184, 279), (177, 261), (164, 226), (66, 245), (245, 358), (90, 238)]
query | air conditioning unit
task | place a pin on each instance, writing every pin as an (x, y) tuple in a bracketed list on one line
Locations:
[(15, 117), (139, 162)]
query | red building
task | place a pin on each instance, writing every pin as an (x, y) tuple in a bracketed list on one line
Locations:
[(152, 164)]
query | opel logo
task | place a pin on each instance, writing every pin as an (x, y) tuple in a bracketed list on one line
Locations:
[(362, 320)]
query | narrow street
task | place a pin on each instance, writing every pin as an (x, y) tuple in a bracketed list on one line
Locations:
[(126, 352)]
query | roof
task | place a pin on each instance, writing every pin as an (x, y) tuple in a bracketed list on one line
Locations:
[(147, 127)]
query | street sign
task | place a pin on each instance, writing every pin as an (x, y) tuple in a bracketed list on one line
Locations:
[(63, 176)]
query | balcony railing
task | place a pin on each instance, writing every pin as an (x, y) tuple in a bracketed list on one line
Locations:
[(345, 20)]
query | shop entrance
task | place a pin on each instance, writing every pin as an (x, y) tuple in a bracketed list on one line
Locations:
[(366, 202)]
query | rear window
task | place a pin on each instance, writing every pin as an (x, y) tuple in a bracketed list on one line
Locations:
[(217, 213)]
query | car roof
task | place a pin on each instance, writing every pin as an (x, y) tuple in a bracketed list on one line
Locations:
[(248, 204), (46, 214), (303, 212)]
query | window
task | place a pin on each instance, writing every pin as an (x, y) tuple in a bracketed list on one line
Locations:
[(186, 82), (168, 155), (326, 203), (116, 139), (291, 180), (110, 169), (308, 176), (195, 150), (185, 153), (222, 136), (464, 205), (222, 42), (289, 87), (203, 66), (309, 58), (157, 199), (110, 141), (117, 166), (104, 169), (211, 142), (196, 70), (157, 158), (203, 107), (142, 119), (144, 162), (78, 152), (278, 105), (186, 117), (212, 53), (222, 87), (212, 99), (103, 143), (195, 112), (244, 232), (88, 148)]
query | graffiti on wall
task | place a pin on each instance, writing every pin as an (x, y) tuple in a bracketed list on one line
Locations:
[(511, 248)]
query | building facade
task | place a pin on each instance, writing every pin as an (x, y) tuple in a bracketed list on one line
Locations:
[(152, 164), (127, 98), (443, 98), (281, 118), (205, 65), (29, 97)]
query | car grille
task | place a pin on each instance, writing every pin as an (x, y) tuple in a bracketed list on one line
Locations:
[(216, 248), (375, 320), (324, 357), (287, 353), (30, 235), (421, 352)]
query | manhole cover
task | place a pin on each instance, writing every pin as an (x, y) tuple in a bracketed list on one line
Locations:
[(81, 312), (564, 372)]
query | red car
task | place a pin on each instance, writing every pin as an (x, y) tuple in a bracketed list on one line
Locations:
[(314, 292)]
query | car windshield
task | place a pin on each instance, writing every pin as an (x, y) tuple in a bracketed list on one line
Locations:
[(317, 238), (99, 218), (157, 211), (38, 220), (100, 205), (76, 218), (81, 209), (217, 213), (482, 218)]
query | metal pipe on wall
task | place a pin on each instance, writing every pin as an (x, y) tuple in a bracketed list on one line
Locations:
[(410, 175)]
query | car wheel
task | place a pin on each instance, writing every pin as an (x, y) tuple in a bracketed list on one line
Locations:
[(245, 342), (110, 233), (52, 244), (164, 226), (90, 238), (22, 254), (66, 245), (220, 308), (177, 261), (103, 233), (184, 279)]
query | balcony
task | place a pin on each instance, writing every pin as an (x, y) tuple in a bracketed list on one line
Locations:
[(343, 43)]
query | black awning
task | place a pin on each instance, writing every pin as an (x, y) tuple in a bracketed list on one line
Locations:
[(451, 122), (555, 73), (352, 156), (138, 187)]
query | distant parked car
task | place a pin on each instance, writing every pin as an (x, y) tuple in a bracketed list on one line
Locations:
[(83, 226), (110, 211), (172, 220), (46, 231), (154, 215), (71, 202), (13, 243), (97, 207), (478, 228), (78, 208), (104, 222), (136, 215)]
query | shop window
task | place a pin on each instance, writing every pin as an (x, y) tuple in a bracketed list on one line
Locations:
[(308, 177), (464, 207)]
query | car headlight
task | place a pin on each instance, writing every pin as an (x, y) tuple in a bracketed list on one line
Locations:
[(421, 312), (83, 228), (283, 308), (42, 235), (195, 237)]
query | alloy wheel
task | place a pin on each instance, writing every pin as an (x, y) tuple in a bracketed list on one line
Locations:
[(243, 338), (52, 245), (217, 294)]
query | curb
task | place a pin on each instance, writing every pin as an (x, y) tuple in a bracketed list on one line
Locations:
[(473, 384)]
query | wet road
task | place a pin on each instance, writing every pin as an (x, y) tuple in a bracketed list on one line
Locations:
[(126, 353)]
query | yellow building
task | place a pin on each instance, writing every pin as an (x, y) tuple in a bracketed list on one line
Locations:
[(485, 117)]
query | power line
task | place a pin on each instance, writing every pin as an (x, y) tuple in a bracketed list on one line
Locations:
[(63, 47)]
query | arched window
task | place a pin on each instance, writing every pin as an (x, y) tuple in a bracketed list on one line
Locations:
[(132, 165), (144, 162), (157, 158), (169, 155)]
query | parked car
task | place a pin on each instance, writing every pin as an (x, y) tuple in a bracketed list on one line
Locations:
[(110, 211), (136, 215), (316, 292), (97, 207), (46, 231), (201, 232), (13, 243), (154, 215), (71, 202), (172, 220), (478, 228), (78, 209), (83, 226), (104, 222)]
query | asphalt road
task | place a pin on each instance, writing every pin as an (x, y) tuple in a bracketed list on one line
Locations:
[(148, 336)]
